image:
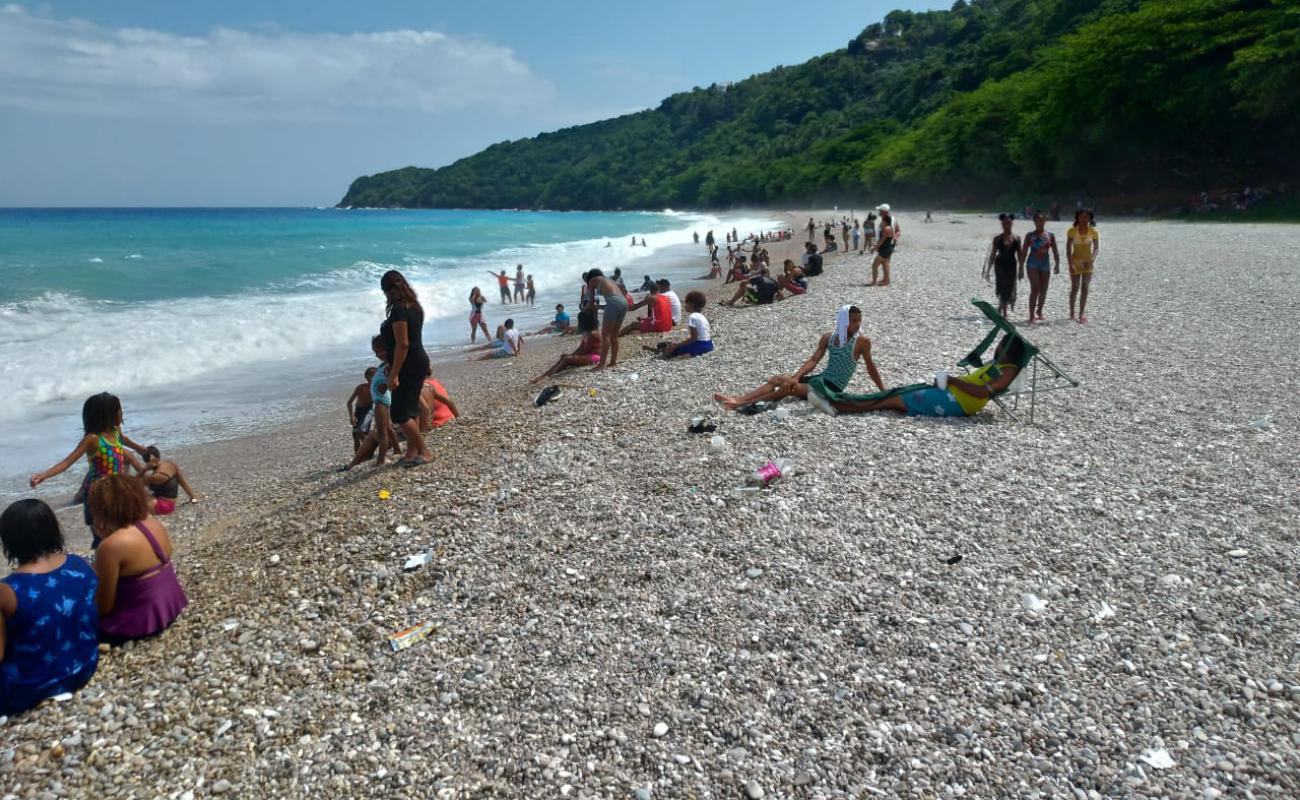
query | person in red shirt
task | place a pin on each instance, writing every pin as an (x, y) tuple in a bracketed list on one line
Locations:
[(659, 316)]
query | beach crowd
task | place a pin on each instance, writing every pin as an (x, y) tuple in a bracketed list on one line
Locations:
[(57, 610)]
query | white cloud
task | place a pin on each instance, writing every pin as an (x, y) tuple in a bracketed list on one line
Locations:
[(74, 66)]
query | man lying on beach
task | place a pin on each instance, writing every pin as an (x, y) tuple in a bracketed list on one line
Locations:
[(845, 346), (759, 290), (659, 316), (950, 396), (588, 352)]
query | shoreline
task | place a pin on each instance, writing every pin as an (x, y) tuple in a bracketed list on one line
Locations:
[(595, 577)]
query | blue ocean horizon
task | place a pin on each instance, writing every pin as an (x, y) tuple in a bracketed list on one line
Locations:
[(208, 322)]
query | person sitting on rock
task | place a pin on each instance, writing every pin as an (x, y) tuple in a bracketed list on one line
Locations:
[(48, 640)]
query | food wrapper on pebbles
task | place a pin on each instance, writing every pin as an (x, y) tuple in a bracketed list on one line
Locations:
[(411, 636)]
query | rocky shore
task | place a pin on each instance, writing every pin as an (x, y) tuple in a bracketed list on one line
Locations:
[(1103, 604)]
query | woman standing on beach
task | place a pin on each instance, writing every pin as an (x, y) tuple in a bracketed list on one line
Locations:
[(615, 311), (1081, 249), (1004, 257), (403, 334), (1037, 247), (884, 249), (476, 321)]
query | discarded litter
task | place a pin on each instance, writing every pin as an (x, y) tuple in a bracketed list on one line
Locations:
[(384, 494), (702, 425), (1032, 602), (1262, 424), (1160, 759), (550, 393), (411, 636), (229, 624), (416, 561), (718, 444), (769, 472), (756, 408), (953, 560), (1105, 612)]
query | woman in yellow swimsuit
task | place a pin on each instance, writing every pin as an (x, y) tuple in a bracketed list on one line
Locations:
[(1081, 249)]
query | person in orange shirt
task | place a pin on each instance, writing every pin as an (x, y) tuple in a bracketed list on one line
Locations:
[(503, 282)]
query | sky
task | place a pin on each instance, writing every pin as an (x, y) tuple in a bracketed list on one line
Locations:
[(239, 103)]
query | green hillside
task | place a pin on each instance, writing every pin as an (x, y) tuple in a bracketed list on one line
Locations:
[(993, 99)]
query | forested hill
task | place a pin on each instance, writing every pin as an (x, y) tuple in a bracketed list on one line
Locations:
[(993, 99)]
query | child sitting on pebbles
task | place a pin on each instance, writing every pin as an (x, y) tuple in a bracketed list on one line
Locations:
[(701, 340), (588, 352), (47, 611)]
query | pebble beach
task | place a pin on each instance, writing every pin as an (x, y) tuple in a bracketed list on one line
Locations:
[(1101, 604)]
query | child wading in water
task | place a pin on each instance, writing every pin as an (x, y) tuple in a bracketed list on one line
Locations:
[(102, 445), (48, 617)]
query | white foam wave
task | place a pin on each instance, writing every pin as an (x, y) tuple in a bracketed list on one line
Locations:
[(59, 347), (95, 260)]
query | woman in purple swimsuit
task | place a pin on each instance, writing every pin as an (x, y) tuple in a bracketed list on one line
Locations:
[(139, 594)]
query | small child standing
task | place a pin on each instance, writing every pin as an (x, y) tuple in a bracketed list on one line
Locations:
[(48, 617), (359, 409), (381, 436), (102, 445), (701, 340)]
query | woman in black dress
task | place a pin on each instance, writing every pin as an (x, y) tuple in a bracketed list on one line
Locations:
[(1003, 260), (408, 364)]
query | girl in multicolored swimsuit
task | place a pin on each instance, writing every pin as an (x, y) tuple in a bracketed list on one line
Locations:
[(104, 447), (1034, 253)]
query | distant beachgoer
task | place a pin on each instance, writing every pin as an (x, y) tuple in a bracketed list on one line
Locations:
[(1003, 259), (884, 250), (521, 284), (103, 445), (436, 406), (587, 352), (1038, 245), (618, 279), (857, 237), (164, 479), (792, 280), (531, 296), (734, 236), (759, 289), (696, 236), (633, 241), (846, 348), (659, 316), (561, 323), (403, 333), (887, 213), (961, 396), (666, 289), (476, 321), (812, 228), (927, 217), (509, 342), (503, 283), (360, 409), (139, 594), (646, 285), (701, 338), (643, 244), (48, 618), (844, 230), (615, 311), (1081, 248), (869, 231)]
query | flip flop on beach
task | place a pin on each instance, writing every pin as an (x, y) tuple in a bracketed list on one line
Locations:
[(418, 461)]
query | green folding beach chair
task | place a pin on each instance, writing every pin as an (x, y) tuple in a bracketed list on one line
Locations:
[(1029, 381)]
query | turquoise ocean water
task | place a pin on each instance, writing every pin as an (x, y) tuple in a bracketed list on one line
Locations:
[(214, 322)]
